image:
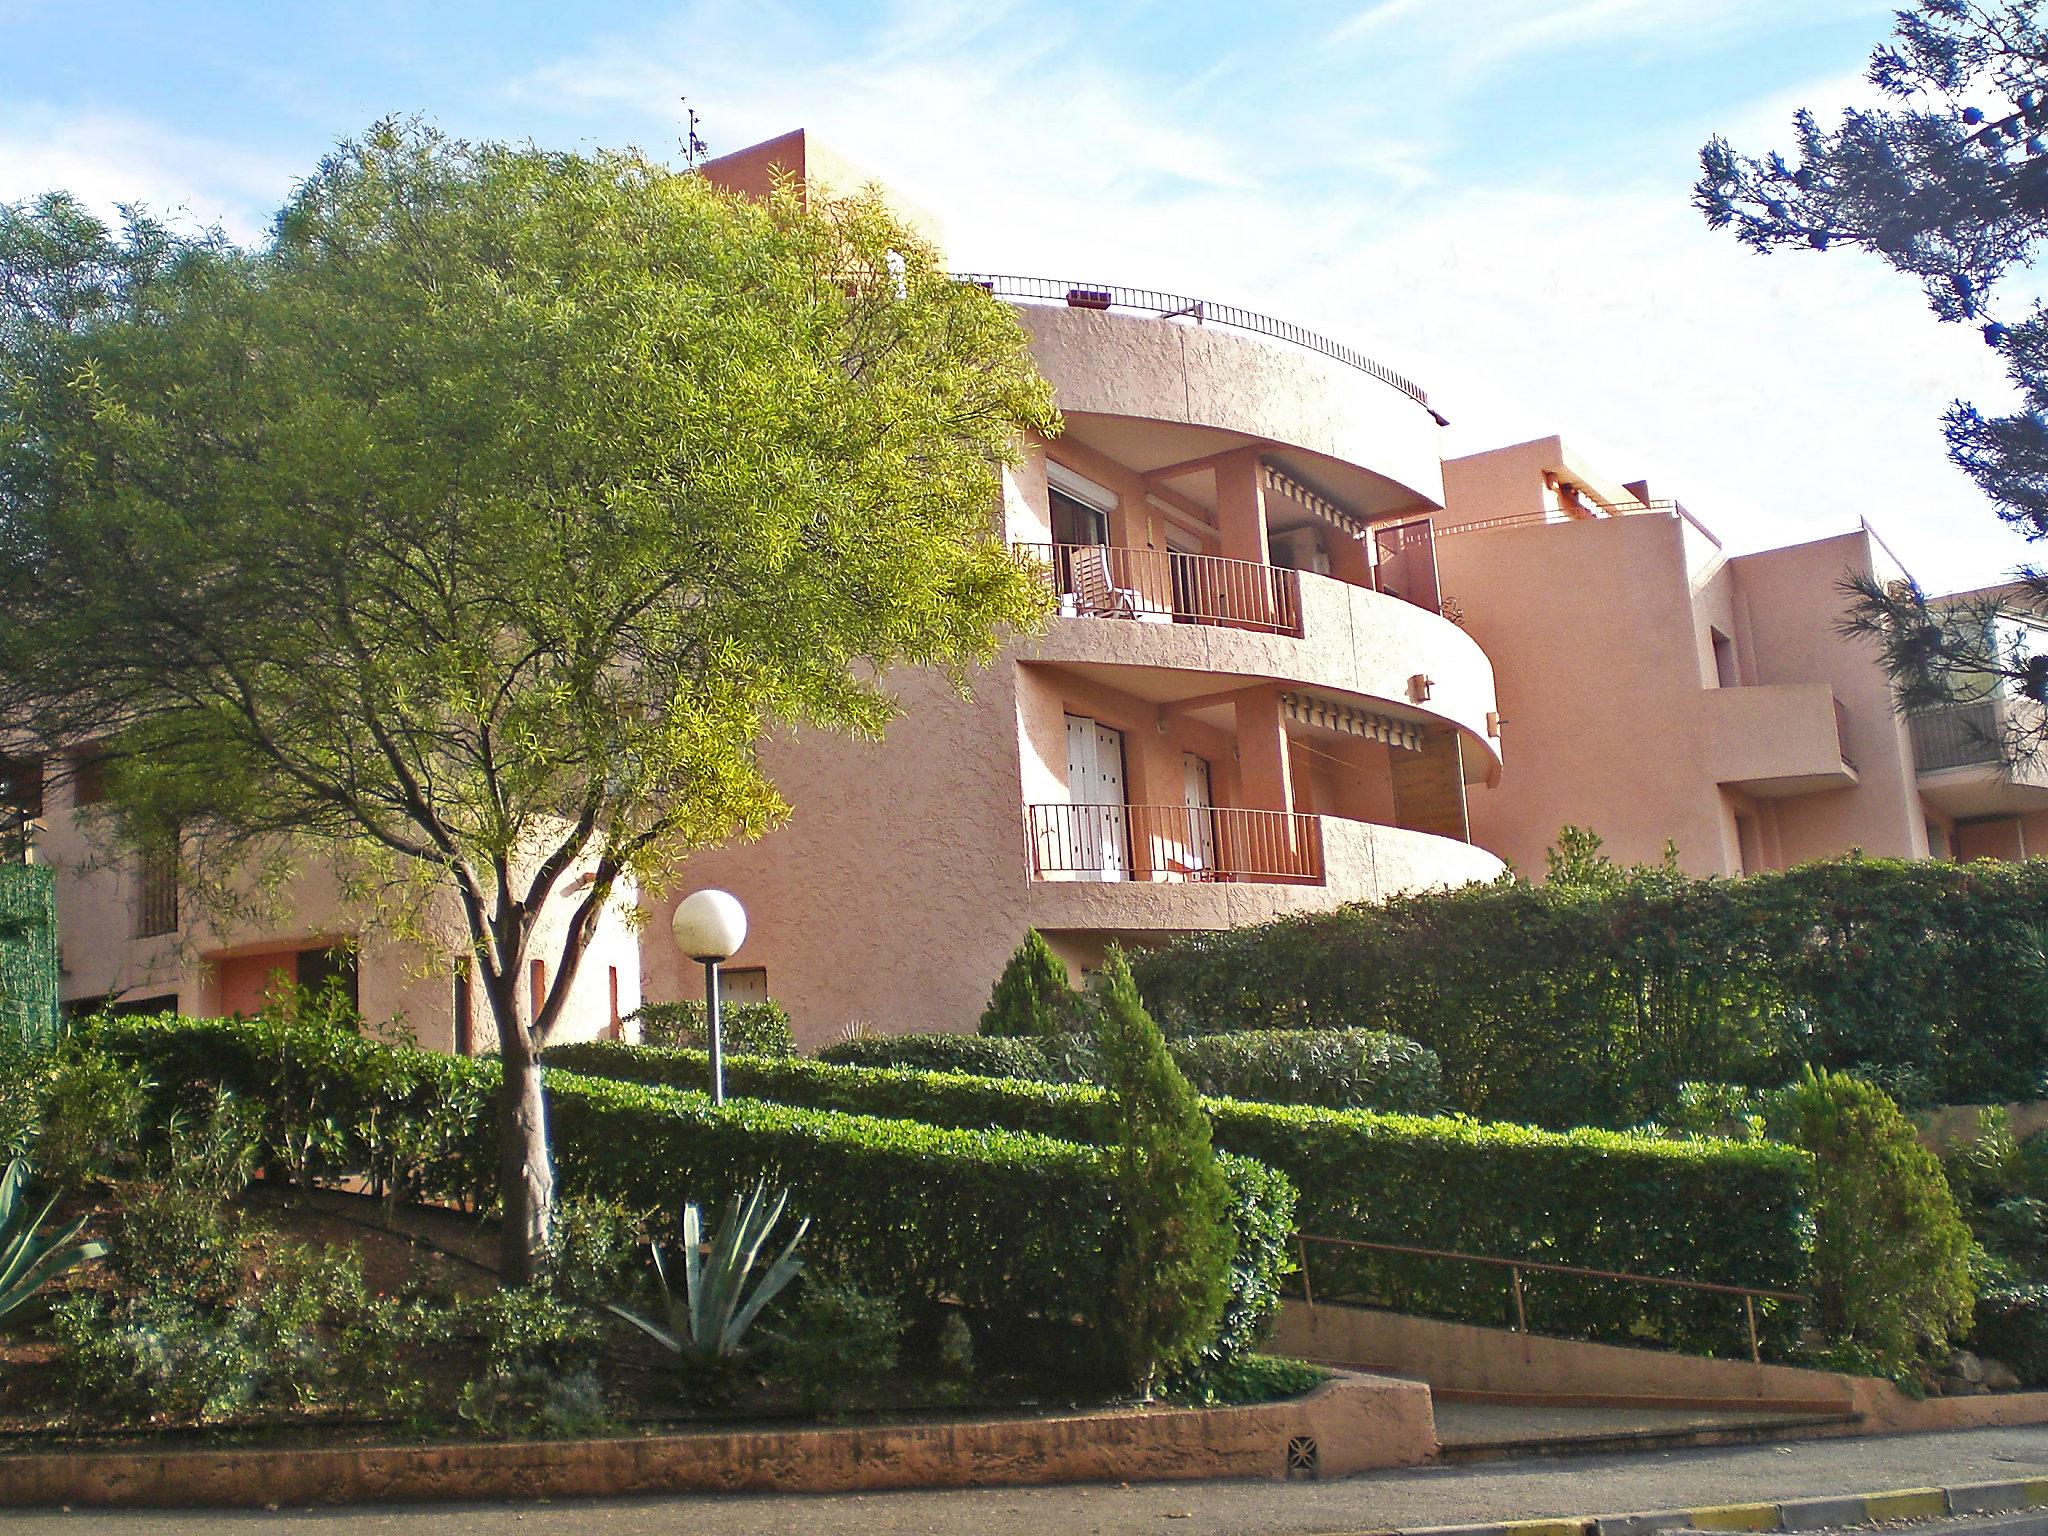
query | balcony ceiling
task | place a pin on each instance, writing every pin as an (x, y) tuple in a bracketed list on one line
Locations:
[(1168, 686), (1983, 789), (1145, 445)]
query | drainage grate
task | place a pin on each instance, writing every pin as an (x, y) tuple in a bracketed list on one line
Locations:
[(1303, 1460)]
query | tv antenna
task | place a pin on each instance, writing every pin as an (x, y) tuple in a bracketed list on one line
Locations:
[(693, 146)]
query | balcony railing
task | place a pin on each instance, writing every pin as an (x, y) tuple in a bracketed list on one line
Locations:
[(1179, 306), (1162, 843), (1962, 736), (1103, 581)]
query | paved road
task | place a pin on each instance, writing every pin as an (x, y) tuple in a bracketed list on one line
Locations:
[(1431, 1496)]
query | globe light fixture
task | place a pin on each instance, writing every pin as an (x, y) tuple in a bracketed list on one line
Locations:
[(709, 927)]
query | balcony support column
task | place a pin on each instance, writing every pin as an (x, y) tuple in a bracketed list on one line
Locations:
[(1241, 507), (1265, 773)]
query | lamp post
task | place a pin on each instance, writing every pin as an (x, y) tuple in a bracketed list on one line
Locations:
[(709, 927)]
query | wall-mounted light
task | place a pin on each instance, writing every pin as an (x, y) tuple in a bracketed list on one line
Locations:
[(1420, 687)]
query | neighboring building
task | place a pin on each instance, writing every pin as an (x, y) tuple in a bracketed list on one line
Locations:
[(1659, 690), (128, 937), (1288, 643)]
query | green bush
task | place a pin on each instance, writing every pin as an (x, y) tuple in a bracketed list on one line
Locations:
[(1586, 1000), (982, 1055), (1603, 1199), (745, 1029), (835, 1343), (1172, 1275), (1891, 1251), (1333, 1068), (1032, 999), (1016, 1226)]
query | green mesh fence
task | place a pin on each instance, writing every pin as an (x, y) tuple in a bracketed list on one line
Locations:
[(28, 950)]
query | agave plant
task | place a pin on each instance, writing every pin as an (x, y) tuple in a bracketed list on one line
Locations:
[(26, 1260), (711, 1314)]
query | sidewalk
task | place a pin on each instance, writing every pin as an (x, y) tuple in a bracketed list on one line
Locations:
[(1452, 1495)]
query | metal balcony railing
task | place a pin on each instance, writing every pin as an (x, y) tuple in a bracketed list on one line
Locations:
[(1103, 581), (1172, 843), (1177, 306), (1962, 736)]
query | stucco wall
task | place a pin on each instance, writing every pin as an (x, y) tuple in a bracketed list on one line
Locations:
[(1163, 370), (401, 985), (1591, 632), (1794, 601)]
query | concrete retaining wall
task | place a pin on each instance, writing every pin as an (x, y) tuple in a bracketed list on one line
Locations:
[(1353, 1424)]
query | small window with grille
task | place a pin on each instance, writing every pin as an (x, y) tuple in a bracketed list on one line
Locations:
[(156, 892)]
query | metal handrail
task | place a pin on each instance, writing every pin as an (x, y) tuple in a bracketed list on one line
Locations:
[(1174, 306), (1107, 581), (1748, 1293)]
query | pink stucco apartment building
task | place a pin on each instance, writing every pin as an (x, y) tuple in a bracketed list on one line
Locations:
[(1297, 660)]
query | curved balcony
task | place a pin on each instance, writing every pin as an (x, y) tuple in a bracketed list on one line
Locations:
[(1171, 880), (1226, 623), (1368, 444)]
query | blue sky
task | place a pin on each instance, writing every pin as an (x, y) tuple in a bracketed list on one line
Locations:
[(1488, 195)]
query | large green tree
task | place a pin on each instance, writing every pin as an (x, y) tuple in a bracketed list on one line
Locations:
[(1947, 182), (472, 528)]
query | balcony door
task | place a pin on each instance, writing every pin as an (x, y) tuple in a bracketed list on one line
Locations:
[(1097, 834), (1195, 795)]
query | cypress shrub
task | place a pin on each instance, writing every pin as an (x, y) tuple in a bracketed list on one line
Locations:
[(1031, 999), (1173, 1269)]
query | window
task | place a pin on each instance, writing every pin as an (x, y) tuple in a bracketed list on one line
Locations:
[(743, 984), (537, 985), (615, 1028), (21, 786), (332, 966), (89, 777), (156, 892), (1075, 522)]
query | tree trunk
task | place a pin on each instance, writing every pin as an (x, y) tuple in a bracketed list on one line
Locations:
[(526, 1175)]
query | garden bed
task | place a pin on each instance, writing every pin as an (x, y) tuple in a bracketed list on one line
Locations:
[(442, 1256)]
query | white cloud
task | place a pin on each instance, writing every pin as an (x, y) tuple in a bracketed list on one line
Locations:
[(107, 159), (1781, 398)]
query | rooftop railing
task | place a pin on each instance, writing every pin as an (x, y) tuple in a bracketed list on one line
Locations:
[(1179, 306)]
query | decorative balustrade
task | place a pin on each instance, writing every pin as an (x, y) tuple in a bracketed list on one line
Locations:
[(1161, 843), (1160, 586)]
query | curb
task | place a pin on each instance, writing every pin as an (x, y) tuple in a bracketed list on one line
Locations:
[(1786, 1515)]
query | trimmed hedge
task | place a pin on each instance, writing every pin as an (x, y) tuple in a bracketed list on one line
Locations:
[(1726, 1212), (1336, 1068), (1017, 1225), (1332, 1068), (745, 1029), (983, 1055), (1588, 999)]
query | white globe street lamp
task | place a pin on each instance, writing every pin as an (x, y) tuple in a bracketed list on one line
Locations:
[(709, 927)]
